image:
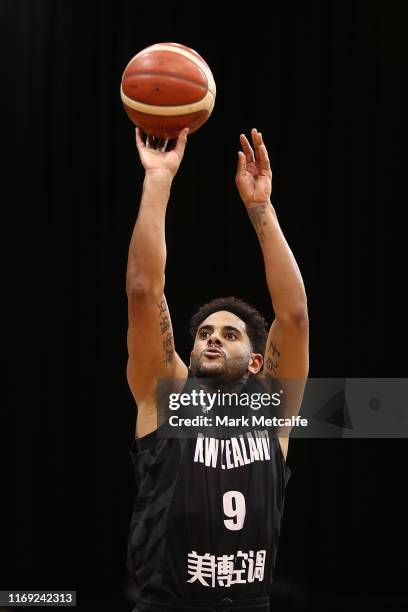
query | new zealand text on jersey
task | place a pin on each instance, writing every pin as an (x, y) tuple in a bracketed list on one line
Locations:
[(232, 452)]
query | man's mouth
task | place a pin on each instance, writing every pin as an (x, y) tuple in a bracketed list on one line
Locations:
[(213, 353)]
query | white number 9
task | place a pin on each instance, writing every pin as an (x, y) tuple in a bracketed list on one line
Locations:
[(234, 507)]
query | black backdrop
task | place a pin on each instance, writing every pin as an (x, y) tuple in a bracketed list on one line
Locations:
[(324, 82)]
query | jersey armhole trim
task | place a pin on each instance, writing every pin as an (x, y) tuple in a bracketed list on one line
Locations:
[(287, 472), (145, 442)]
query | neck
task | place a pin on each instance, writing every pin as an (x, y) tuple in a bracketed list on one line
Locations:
[(221, 383)]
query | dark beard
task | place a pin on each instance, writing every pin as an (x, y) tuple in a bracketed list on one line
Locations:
[(233, 370)]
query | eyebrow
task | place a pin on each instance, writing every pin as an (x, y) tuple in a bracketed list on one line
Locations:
[(225, 327)]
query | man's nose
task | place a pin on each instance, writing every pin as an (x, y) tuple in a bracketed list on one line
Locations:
[(214, 338)]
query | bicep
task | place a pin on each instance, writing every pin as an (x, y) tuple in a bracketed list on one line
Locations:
[(150, 345), (287, 350)]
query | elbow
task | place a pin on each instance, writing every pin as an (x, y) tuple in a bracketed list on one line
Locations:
[(139, 288), (296, 316)]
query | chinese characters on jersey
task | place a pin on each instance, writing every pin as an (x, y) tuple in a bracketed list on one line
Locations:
[(226, 570)]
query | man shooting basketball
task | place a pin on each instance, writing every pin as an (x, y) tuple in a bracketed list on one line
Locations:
[(205, 526)]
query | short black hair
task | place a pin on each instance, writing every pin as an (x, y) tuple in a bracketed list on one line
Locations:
[(256, 325)]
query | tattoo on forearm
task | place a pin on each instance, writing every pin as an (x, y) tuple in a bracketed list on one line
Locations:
[(274, 349), (168, 349), (164, 322), (162, 308), (271, 365), (256, 216)]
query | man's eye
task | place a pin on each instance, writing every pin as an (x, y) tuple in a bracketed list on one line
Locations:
[(203, 333), (231, 335)]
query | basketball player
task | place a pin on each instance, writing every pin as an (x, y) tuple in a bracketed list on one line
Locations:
[(207, 516)]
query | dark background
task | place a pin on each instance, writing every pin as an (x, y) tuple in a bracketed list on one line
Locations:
[(325, 83)]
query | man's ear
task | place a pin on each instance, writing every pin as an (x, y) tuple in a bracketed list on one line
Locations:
[(256, 363)]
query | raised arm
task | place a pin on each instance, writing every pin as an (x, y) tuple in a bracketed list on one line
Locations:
[(150, 335), (286, 355)]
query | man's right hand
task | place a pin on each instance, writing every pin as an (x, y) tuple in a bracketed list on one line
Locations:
[(157, 162)]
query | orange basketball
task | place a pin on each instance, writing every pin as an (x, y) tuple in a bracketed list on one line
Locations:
[(167, 87)]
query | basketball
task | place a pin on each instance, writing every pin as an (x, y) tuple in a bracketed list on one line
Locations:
[(166, 87)]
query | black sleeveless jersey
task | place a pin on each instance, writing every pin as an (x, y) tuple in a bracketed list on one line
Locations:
[(207, 515)]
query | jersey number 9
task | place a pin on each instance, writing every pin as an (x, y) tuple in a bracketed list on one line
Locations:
[(235, 509)]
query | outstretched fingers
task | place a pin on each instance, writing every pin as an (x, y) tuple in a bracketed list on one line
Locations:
[(247, 149), (242, 164), (257, 141), (261, 150), (181, 142), (148, 143), (139, 140)]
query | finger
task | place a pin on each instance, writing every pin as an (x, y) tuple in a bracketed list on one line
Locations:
[(181, 142), (242, 162), (260, 148), (160, 144), (139, 139), (164, 144), (263, 158), (263, 153), (254, 136), (246, 147), (256, 139)]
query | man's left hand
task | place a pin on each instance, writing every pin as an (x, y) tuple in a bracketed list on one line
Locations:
[(254, 175)]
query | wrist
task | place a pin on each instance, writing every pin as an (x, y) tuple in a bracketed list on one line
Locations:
[(159, 177), (251, 205)]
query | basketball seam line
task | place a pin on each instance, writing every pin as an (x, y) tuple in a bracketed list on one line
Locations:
[(170, 74), (161, 109)]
